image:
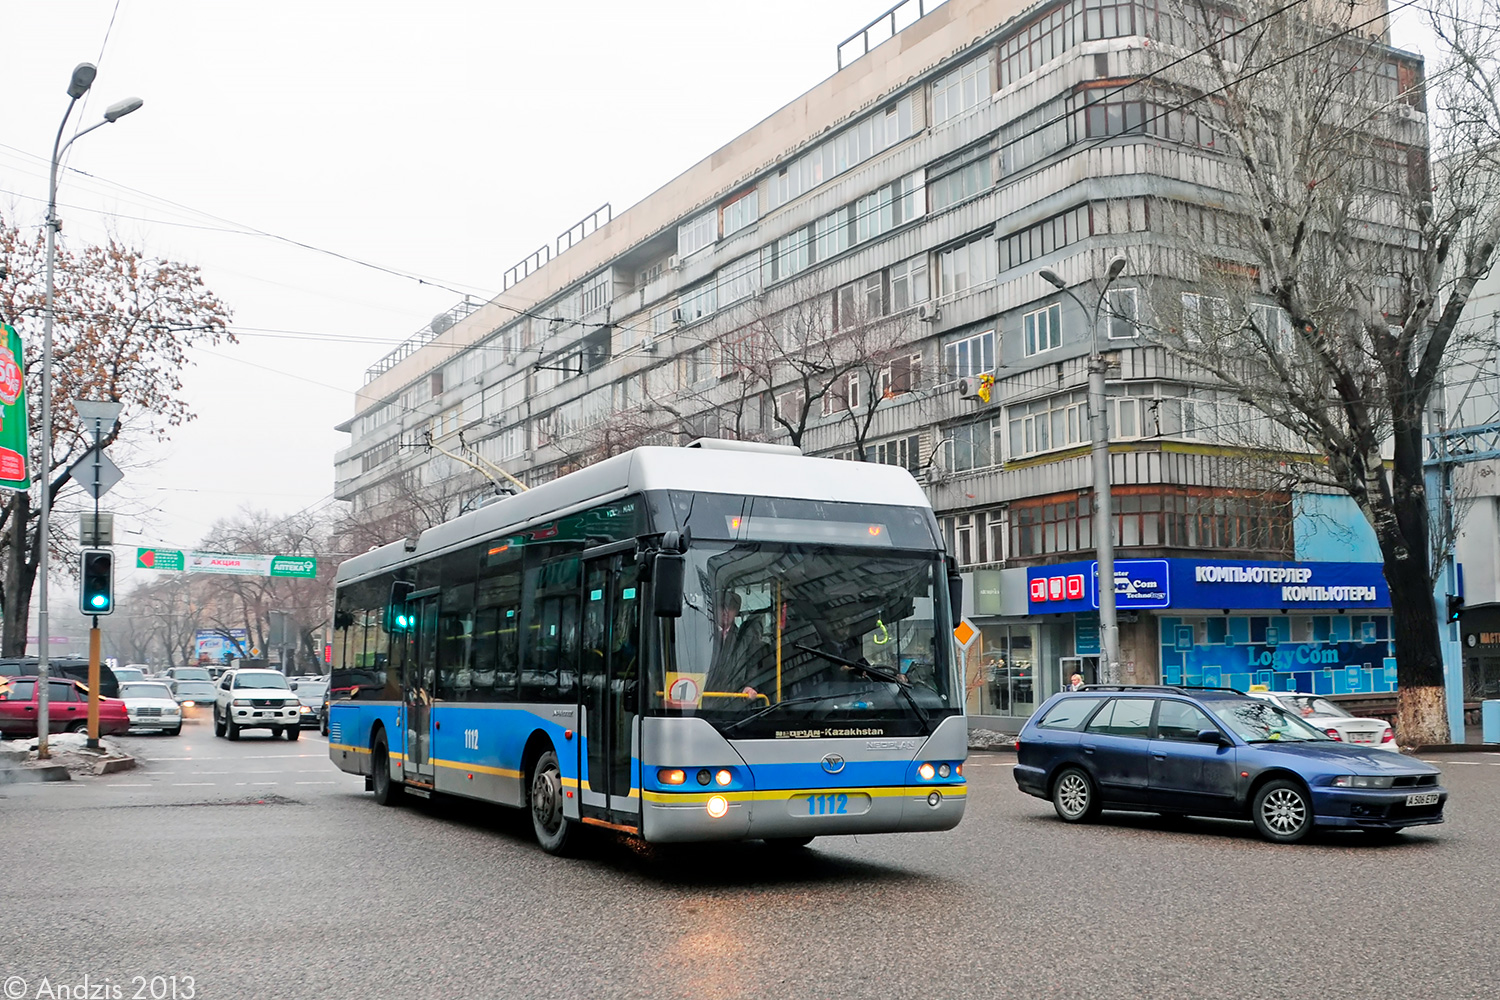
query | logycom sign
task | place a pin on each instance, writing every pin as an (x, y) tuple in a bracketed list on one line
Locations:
[(1208, 584)]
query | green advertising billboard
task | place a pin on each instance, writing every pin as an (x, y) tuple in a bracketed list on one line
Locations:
[(15, 446)]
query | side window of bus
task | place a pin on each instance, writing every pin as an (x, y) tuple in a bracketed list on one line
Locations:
[(497, 622), (455, 644), (551, 655)]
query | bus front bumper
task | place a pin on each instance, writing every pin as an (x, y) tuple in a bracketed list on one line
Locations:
[(805, 812)]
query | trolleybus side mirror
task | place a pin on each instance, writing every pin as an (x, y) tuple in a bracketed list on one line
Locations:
[(398, 618), (955, 589), (667, 577)]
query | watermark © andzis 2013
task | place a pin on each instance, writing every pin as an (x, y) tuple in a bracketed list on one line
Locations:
[(89, 987)]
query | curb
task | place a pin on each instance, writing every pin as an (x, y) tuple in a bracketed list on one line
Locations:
[(114, 764), (1459, 748), (20, 775)]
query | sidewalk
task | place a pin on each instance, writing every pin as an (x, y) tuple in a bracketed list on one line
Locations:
[(70, 755)]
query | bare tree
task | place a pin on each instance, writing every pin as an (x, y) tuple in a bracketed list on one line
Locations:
[(1329, 286), (124, 322)]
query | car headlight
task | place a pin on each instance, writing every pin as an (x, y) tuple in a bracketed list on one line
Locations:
[(306, 710), (1363, 781), (240, 701), (188, 703), (174, 710)]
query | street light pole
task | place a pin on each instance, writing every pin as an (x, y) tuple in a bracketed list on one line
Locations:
[(1104, 541), (82, 80)]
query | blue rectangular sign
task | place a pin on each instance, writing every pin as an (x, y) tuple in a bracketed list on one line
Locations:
[(1211, 584), (1139, 583)]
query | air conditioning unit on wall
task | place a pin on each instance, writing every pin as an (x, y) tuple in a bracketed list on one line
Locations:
[(928, 312)]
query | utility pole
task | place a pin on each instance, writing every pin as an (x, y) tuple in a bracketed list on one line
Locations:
[(1104, 538)]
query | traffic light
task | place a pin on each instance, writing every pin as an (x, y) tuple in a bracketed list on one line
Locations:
[(1455, 607), (96, 582)]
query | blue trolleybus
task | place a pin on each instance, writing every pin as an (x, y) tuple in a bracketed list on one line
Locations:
[(716, 642)]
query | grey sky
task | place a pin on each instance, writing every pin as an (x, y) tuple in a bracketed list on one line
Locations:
[(446, 139)]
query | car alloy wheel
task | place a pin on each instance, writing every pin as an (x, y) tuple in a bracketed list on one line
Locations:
[(1283, 812), (1073, 796)]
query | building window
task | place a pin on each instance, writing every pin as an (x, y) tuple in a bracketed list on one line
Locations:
[(963, 88), (969, 357), (903, 451), (902, 375), (1048, 424), (1204, 317), (741, 212), (1124, 215), (739, 279), (966, 266), (909, 283), (793, 255), (1121, 313), (1051, 525), (859, 302), (594, 295), (842, 394), (650, 273), (831, 235), (960, 184), (1042, 329), (697, 233), (970, 446), (697, 303), (790, 405)]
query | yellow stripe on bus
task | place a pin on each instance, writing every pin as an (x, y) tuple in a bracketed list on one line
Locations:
[(347, 748), (785, 794), (458, 765)]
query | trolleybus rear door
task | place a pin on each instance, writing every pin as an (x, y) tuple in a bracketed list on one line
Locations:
[(609, 689), (420, 675)]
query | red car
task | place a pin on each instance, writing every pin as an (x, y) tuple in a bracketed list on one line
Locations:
[(67, 708)]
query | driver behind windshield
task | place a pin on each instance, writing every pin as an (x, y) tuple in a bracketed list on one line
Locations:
[(739, 652)]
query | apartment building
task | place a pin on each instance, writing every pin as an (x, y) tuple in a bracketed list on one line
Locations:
[(842, 275)]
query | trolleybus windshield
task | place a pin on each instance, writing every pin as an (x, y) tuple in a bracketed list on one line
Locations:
[(775, 638)]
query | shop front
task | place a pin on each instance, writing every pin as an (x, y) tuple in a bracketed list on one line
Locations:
[(1319, 627)]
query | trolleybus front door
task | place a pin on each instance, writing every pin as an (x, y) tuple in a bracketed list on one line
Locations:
[(609, 691), (420, 675)]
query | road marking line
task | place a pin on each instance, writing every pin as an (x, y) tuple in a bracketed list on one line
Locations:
[(195, 784), (128, 784), (314, 782)]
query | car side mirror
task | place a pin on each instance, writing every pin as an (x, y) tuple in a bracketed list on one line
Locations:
[(1213, 736)]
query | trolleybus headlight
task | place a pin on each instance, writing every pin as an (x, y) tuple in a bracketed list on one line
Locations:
[(718, 805), (723, 777), (671, 776), (958, 769), (704, 776), (944, 771), (926, 771)]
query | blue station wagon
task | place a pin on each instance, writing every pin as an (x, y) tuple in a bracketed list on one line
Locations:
[(1215, 752)]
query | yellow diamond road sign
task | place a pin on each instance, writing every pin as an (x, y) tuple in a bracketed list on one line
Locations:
[(965, 633)]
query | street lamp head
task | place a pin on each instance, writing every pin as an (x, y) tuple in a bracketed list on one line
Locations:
[(1116, 267), (120, 109), (1050, 277), (83, 79)]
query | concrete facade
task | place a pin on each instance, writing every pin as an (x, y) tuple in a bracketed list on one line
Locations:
[(902, 209)]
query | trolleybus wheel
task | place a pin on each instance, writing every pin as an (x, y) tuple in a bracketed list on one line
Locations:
[(553, 830), (387, 792)]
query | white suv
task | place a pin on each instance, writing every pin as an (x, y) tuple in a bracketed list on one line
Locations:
[(256, 699)]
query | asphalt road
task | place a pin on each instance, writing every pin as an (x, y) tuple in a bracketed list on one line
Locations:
[(259, 870)]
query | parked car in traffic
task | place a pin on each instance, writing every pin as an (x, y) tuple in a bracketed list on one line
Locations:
[(67, 708), (1335, 722), (256, 699), (123, 674), (1215, 752), (73, 667), (310, 692), (150, 705)]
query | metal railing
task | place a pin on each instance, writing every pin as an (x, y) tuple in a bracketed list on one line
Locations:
[(441, 322), (884, 28)]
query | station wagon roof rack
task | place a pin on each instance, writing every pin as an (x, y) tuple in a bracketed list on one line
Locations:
[(1177, 688)]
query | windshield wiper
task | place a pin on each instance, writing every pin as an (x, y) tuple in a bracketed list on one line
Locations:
[(804, 700), (887, 675)]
